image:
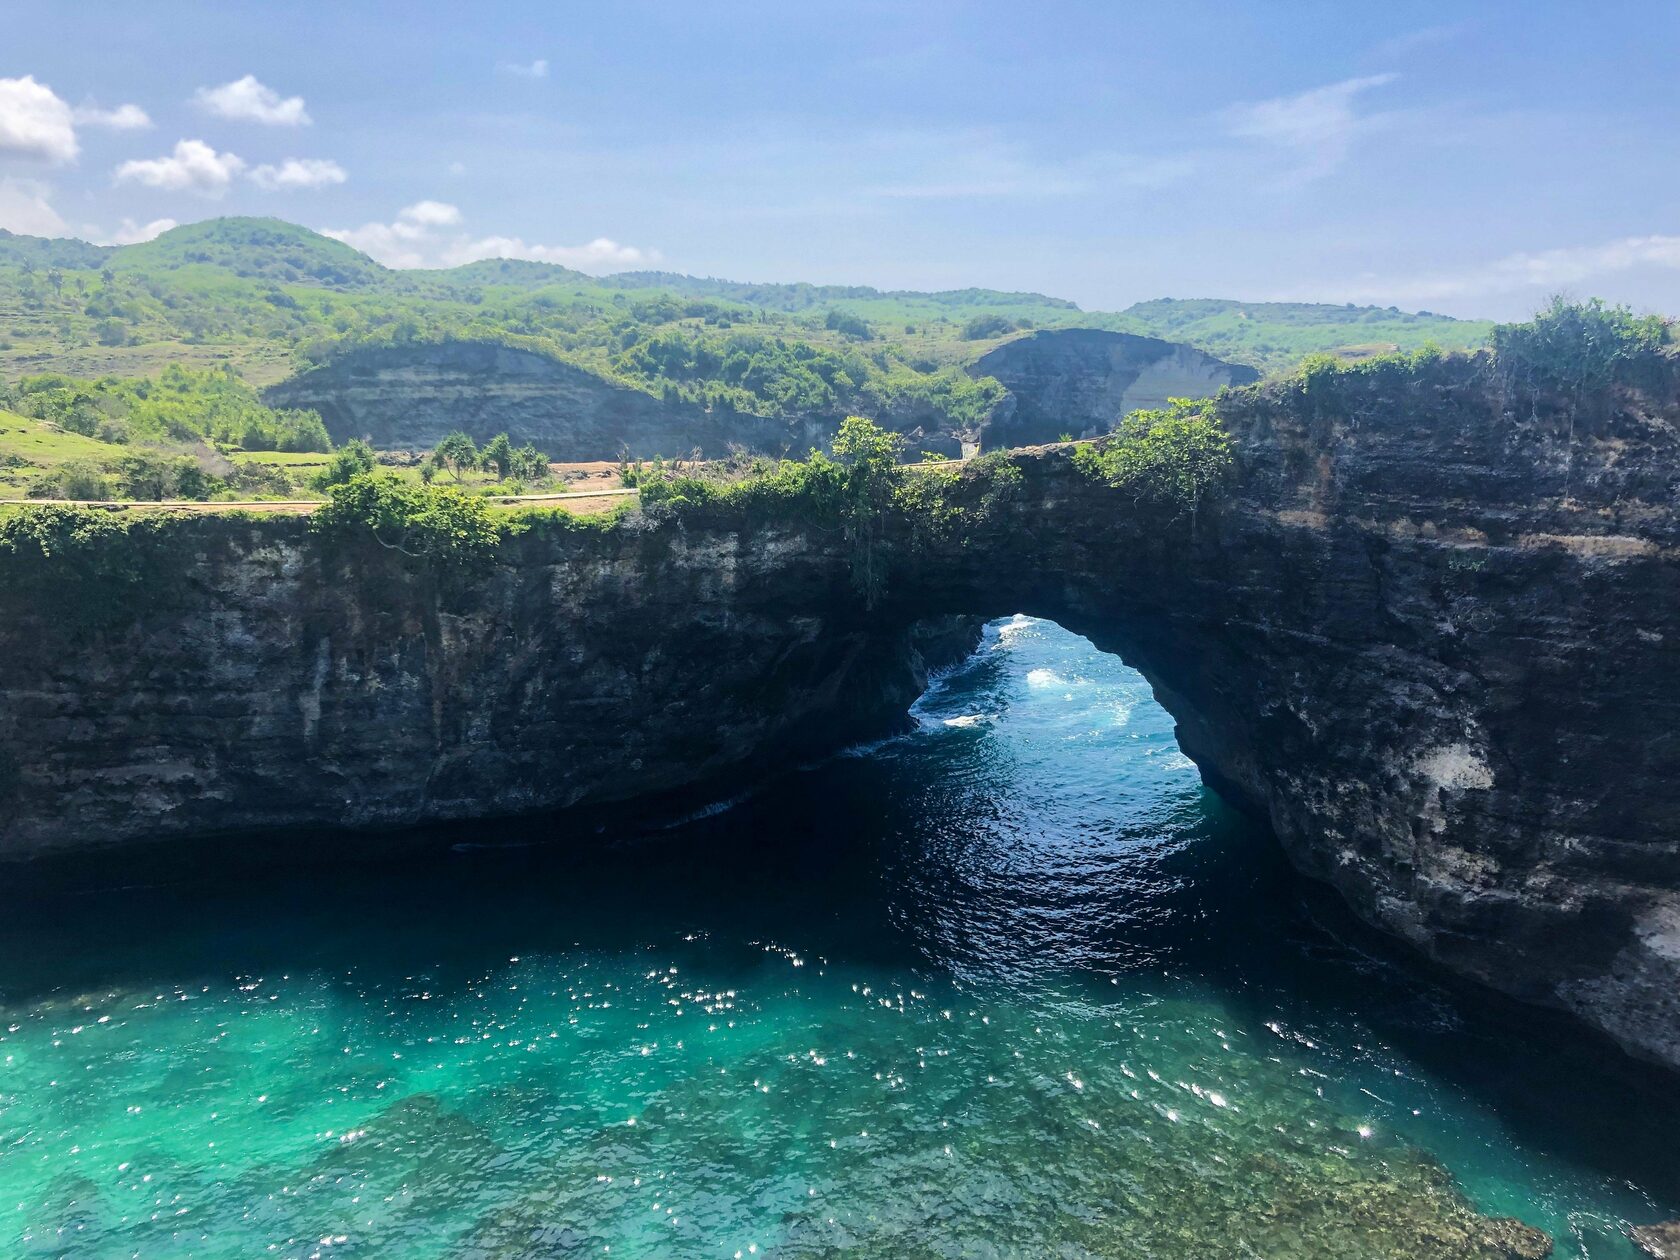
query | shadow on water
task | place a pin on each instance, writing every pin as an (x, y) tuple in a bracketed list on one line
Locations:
[(1039, 831)]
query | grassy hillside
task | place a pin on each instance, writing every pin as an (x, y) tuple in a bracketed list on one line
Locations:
[(264, 298), (255, 249), (41, 251), (1274, 335), (28, 446)]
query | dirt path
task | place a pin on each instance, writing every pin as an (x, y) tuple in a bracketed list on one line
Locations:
[(587, 502)]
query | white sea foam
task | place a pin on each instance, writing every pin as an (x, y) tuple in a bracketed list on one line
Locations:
[(1010, 630)]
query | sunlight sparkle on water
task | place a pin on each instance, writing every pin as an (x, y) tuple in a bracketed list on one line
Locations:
[(1014, 984)]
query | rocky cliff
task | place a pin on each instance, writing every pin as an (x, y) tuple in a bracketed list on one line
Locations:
[(1428, 631), (409, 396), (275, 683), (1081, 381), (1432, 639)]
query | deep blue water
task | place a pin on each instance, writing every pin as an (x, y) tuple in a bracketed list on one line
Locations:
[(1012, 984)]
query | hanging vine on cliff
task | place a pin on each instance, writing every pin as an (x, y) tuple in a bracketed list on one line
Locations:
[(869, 454)]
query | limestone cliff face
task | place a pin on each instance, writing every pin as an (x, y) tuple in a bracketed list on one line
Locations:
[(1431, 632), (277, 685), (1080, 381), (411, 396), (1433, 637)]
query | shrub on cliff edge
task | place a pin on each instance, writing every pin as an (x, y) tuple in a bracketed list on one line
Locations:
[(86, 567), (1576, 346), (439, 525), (1172, 456)]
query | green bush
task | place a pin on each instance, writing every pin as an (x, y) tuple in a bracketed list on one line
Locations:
[(457, 453), (436, 524), (76, 479), (155, 476), (983, 327), (179, 405), (1576, 345), (500, 456), (352, 459), (850, 325), (1172, 456), (85, 567)]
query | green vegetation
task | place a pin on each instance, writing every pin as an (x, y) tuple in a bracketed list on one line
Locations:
[(869, 456), (1172, 456), (168, 437), (124, 370), (985, 327), (180, 405), (451, 531), (1577, 346), (350, 461), (1275, 336), (266, 298), (457, 454), (259, 249), (91, 567), (1568, 347), (522, 464), (857, 491)]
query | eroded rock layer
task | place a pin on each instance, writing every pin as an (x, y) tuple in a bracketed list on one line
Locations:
[(1080, 382), (1429, 632), (410, 396)]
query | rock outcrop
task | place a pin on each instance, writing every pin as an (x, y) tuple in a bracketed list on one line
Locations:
[(1661, 1242), (1430, 632), (1081, 381), (409, 396)]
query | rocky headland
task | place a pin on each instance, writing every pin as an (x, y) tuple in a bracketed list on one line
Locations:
[(1427, 630)]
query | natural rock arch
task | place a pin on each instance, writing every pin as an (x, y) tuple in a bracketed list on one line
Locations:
[(1429, 638), (1427, 632)]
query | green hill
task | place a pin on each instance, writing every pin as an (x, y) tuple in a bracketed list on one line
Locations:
[(257, 249), (1273, 335), (516, 272), (43, 251), (268, 298)]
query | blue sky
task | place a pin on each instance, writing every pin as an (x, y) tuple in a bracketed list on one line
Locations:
[(1467, 158)]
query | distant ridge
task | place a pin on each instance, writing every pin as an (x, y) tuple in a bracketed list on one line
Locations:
[(260, 249), (929, 327), (49, 251)]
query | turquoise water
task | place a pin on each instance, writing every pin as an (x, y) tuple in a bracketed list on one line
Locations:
[(1012, 984)]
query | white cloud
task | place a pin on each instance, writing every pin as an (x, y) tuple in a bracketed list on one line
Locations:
[(24, 208), (296, 173), (194, 167), (34, 122), (1542, 271), (430, 214), (247, 100), (383, 242), (132, 233), (1315, 129), (122, 118), (418, 238), (537, 69), (405, 243)]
